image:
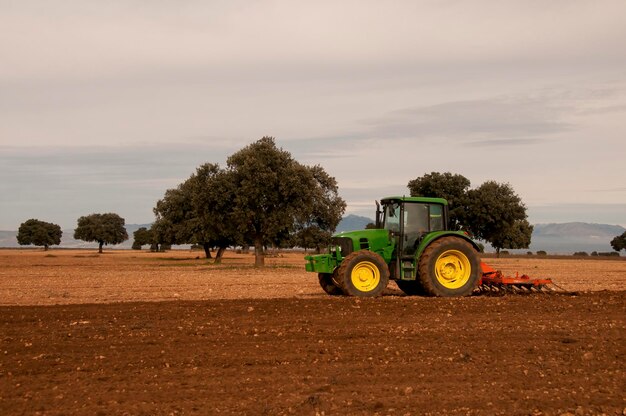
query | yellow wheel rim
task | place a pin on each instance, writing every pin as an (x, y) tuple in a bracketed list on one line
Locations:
[(453, 269), (365, 276)]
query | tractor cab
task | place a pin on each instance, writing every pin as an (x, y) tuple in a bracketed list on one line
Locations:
[(409, 220)]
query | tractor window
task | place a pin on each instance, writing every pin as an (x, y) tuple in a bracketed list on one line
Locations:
[(436, 218), (392, 217), (415, 225), (415, 218)]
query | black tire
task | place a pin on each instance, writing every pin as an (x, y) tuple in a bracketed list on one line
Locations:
[(328, 283), (411, 287), (449, 267), (363, 273)]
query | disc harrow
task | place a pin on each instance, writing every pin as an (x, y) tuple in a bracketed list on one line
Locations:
[(494, 282)]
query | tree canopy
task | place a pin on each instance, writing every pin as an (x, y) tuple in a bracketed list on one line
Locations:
[(196, 212), (141, 237), (276, 195), (263, 198), (493, 212), (452, 187), (102, 228), (39, 233), (619, 242), (327, 211)]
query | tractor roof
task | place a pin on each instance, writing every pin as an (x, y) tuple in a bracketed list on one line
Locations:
[(421, 199)]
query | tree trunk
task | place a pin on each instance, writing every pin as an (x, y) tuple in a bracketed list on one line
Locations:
[(207, 250), (219, 254), (259, 255), (497, 253), (45, 247), (100, 244)]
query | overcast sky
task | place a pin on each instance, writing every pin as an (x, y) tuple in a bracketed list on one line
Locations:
[(105, 105)]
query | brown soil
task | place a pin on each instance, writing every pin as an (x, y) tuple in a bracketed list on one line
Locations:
[(240, 340)]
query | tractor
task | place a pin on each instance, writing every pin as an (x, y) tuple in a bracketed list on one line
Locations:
[(412, 245)]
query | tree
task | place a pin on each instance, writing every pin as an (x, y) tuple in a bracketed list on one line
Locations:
[(212, 192), (196, 212), (452, 187), (327, 211), (39, 233), (276, 195), (515, 236), (141, 237), (103, 228), (494, 213), (619, 242)]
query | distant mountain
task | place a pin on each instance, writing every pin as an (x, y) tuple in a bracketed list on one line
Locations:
[(570, 237), (562, 238), (353, 222)]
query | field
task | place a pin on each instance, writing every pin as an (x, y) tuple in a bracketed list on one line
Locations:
[(130, 332)]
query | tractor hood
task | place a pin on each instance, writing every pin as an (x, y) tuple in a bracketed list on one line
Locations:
[(372, 239)]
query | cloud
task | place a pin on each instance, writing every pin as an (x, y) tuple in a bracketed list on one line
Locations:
[(497, 118)]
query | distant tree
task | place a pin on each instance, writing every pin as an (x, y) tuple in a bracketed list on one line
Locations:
[(174, 217), (452, 187), (541, 253), (141, 237), (102, 228), (328, 207), (275, 195), (39, 233), (197, 212), (619, 242), (581, 254), (494, 213), (212, 191), (516, 236), (370, 226)]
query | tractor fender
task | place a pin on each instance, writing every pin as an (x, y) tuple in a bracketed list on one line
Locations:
[(429, 238)]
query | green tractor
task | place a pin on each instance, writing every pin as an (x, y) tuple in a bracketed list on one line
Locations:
[(411, 244)]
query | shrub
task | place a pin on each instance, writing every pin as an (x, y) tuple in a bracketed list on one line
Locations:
[(529, 253), (541, 253), (581, 253)]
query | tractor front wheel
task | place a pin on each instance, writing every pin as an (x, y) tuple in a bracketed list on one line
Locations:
[(449, 267), (363, 273), (329, 283)]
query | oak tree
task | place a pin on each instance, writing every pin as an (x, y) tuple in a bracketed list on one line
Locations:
[(102, 228), (276, 196), (141, 237), (197, 212), (452, 187), (619, 242), (39, 233), (496, 214)]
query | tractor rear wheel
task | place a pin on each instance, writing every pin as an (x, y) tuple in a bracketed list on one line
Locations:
[(329, 284), (363, 273), (449, 267)]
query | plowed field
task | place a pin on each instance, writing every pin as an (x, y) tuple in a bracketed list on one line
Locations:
[(145, 333)]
